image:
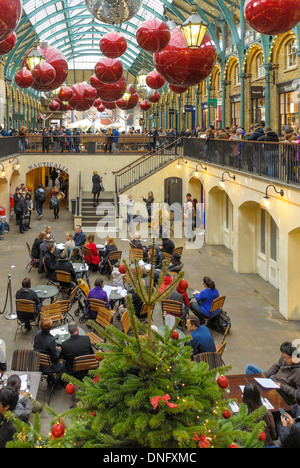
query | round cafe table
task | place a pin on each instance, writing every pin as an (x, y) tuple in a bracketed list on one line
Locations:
[(61, 334), (161, 331), (46, 291)]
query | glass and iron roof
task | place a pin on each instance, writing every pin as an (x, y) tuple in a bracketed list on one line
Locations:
[(68, 25)]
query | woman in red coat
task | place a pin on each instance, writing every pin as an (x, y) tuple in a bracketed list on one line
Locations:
[(94, 260)]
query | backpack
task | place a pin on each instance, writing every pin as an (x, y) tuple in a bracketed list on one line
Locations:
[(220, 322), (54, 203)]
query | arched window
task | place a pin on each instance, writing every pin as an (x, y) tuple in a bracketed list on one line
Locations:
[(236, 75)]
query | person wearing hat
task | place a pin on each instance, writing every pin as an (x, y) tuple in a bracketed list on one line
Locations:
[(180, 295), (166, 283), (175, 264)]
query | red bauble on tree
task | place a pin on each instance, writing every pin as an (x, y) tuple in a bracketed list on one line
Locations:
[(226, 414), (175, 335), (54, 106), (43, 74), (90, 93), (24, 79), (155, 98), (10, 14), (272, 17), (70, 389), (222, 381), (178, 89), (113, 92), (8, 45), (154, 80), (58, 430), (145, 105), (78, 101), (113, 45), (153, 35), (181, 66), (65, 93), (109, 71), (262, 436)]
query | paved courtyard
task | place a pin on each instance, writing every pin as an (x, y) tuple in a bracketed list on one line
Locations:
[(257, 327)]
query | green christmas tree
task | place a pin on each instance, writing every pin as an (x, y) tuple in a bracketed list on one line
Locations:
[(147, 393)]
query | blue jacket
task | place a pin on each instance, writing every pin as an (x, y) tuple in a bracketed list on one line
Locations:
[(116, 135), (79, 239), (256, 134), (205, 299), (202, 341)]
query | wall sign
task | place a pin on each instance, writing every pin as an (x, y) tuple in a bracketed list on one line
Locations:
[(58, 166)]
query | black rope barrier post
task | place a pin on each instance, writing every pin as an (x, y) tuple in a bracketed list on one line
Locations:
[(11, 315)]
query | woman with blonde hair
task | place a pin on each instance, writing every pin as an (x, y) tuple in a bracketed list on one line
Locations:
[(22, 139), (109, 247), (69, 245)]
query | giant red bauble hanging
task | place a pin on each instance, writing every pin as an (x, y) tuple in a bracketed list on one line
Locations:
[(43, 74), (54, 106), (122, 104), (178, 89), (101, 108), (272, 17), (113, 92), (154, 80), (90, 93), (133, 101), (63, 106), (153, 35), (65, 93), (155, 98), (24, 79), (8, 45), (145, 105), (97, 84), (182, 66), (113, 44), (109, 71), (78, 101), (97, 102), (10, 14), (109, 105), (55, 58)]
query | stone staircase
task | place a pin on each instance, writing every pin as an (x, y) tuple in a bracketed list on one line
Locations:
[(92, 215)]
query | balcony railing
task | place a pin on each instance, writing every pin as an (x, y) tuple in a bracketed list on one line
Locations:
[(276, 160), (9, 146)]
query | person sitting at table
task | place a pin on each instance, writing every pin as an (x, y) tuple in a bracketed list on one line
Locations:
[(27, 294), (252, 399), (167, 245), (8, 402), (180, 295), (175, 264), (69, 245), (94, 260), (43, 249), (50, 262), (290, 419), (36, 246), (45, 343), (49, 231), (97, 293), (202, 340), (286, 372), (204, 299), (76, 345), (109, 247), (136, 241), (79, 237), (64, 264), (26, 404)]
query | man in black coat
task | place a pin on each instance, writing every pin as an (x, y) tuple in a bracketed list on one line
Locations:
[(20, 208), (76, 345), (65, 265), (26, 293), (50, 262)]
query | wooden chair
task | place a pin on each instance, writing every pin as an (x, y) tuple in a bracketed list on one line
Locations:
[(225, 333), (85, 363), (103, 318), (25, 360), (114, 256), (214, 360), (53, 378), (33, 262), (135, 253), (178, 250), (217, 304), (143, 314), (170, 307), (125, 321), (55, 312), (167, 256), (32, 316), (64, 281)]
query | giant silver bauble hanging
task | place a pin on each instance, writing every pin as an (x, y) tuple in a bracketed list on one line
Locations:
[(113, 11)]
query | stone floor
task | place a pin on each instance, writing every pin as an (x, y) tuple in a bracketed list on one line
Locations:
[(257, 327)]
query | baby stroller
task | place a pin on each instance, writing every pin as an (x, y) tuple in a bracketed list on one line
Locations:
[(82, 294)]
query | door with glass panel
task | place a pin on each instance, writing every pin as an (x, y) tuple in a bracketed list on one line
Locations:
[(267, 259)]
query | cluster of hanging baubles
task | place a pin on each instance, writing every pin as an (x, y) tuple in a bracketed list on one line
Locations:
[(175, 63)]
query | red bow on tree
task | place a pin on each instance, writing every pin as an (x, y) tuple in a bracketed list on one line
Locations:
[(202, 439), (166, 398)]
